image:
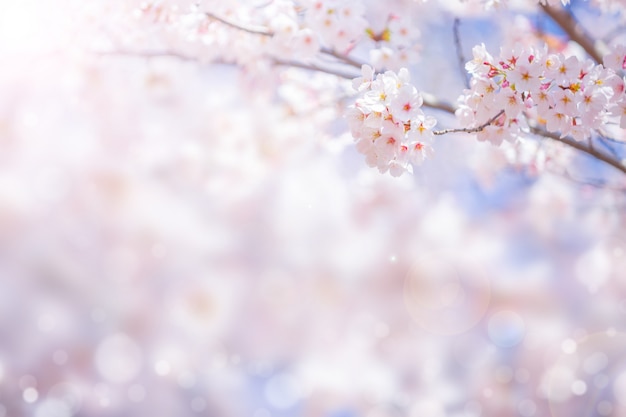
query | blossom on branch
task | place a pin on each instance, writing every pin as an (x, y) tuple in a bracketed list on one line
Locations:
[(387, 121), (569, 96)]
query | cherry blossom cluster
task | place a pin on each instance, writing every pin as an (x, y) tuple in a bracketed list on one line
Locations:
[(338, 24), (343, 25), (284, 30), (387, 121), (564, 93), (396, 43)]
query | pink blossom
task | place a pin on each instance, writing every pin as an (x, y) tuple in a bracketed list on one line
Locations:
[(406, 104)]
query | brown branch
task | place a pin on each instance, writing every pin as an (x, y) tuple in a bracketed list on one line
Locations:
[(470, 129), (576, 32), (250, 29)]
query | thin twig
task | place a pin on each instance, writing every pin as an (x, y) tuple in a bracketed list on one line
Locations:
[(459, 51), (313, 67), (341, 57), (575, 31), (470, 129), (152, 54), (250, 29), (432, 102), (266, 32)]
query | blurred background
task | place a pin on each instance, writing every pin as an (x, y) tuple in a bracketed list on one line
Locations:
[(176, 239)]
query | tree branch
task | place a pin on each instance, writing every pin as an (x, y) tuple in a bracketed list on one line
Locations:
[(152, 54), (432, 102), (575, 31), (341, 57), (182, 57), (312, 67), (459, 51), (254, 30), (590, 150), (470, 129)]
